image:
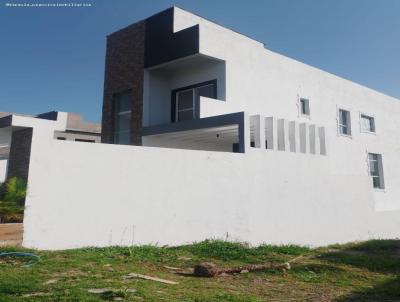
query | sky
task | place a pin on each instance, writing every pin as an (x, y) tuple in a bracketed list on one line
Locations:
[(53, 58)]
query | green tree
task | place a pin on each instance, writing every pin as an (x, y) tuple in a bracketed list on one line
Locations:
[(12, 198)]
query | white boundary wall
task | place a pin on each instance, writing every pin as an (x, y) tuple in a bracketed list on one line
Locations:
[(97, 195)]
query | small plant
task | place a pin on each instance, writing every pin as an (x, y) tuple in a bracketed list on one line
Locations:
[(12, 198)]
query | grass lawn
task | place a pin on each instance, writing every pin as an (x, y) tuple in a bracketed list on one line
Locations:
[(364, 271)]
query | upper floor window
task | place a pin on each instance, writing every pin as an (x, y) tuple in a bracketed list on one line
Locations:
[(344, 122), (376, 170), (186, 101), (367, 123), (122, 118), (304, 107), (185, 105)]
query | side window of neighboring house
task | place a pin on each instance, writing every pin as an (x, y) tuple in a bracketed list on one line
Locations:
[(344, 122), (4, 151), (367, 123), (122, 118), (376, 170), (186, 101), (304, 107), (85, 140)]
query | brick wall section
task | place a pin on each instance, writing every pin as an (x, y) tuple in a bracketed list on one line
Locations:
[(20, 152), (124, 71)]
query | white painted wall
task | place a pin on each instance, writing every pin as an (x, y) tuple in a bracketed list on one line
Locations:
[(5, 142), (166, 141), (3, 170), (143, 195), (260, 81), (209, 107)]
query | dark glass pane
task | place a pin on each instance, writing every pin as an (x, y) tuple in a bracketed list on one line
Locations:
[(367, 123), (207, 91), (343, 117), (373, 164), (185, 99), (372, 156), (372, 123), (303, 107), (185, 115), (376, 182), (374, 168), (124, 102), (123, 122), (122, 137)]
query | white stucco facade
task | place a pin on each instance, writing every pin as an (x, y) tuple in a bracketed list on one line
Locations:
[(262, 82)]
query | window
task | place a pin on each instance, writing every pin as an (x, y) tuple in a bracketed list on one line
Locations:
[(304, 107), (367, 123), (60, 138), (84, 140), (344, 122), (122, 119), (185, 105), (376, 170), (186, 101)]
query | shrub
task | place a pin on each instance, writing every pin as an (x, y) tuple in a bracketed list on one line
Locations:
[(12, 198)]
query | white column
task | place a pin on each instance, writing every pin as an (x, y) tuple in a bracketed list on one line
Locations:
[(292, 136), (321, 139), (258, 125), (304, 138), (312, 139), (271, 133), (244, 133), (281, 135)]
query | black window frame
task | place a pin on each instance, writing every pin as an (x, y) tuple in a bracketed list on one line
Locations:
[(197, 100), (376, 172), (304, 104), (346, 126), (371, 123), (115, 113)]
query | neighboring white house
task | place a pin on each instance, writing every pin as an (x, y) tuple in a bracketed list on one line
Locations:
[(208, 134), (75, 130)]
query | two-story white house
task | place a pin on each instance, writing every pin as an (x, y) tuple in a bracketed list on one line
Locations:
[(178, 80)]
